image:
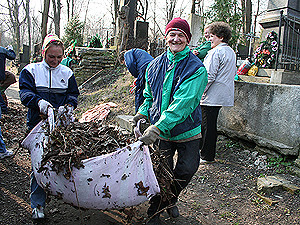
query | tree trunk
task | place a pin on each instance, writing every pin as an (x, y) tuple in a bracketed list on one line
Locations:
[(248, 16), (170, 9), (85, 16), (243, 6), (13, 8), (68, 9), (123, 28), (28, 25), (45, 18), (116, 11), (72, 8), (56, 12), (193, 10)]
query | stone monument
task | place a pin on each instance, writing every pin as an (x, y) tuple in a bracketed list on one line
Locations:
[(271, 19), (270, 22), (196, 23)]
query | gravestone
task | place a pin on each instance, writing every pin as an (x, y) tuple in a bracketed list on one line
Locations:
[(141, 35), (196, 22), (271, 18), (270, 22), (24, 57)]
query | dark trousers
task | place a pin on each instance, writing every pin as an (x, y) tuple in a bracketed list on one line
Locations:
[(209, 132), (2, 104), (186, 166)]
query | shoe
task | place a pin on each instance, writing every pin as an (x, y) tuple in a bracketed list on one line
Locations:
[(6, 154), (203, 161), (154, 221), (173, 212), (38, 213)]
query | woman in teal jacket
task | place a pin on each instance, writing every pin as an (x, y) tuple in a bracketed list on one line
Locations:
[(175, 82), (201, 51)]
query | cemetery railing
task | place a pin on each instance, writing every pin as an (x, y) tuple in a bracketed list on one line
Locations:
[(288, 53)]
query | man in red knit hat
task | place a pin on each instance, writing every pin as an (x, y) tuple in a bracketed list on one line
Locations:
[(175, 82)]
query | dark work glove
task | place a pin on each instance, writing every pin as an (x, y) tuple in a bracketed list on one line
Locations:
[(136, 118), (150, 135)]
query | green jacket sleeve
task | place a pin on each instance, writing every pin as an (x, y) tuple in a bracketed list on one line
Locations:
[(203, 49), (185, 101)]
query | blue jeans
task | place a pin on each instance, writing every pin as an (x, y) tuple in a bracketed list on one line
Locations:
[(38, 195), (2, 144)]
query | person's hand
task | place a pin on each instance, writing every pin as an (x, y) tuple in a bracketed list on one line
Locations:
[(150, 135), (61, 110), (195, 52), (65, 115), (70, 109), (136, 118), (43, 106)]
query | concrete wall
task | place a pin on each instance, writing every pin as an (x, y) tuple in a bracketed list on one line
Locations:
[(267, 114)]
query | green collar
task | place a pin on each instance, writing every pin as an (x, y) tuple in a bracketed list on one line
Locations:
[(179, 55)]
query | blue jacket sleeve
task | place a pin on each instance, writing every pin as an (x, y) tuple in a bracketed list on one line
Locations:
[(27, 87), (10, 54)]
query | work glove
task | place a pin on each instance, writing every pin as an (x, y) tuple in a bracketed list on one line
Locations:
[(136, 118), (43, 106), (51, 120), (150, 135), (65, 115), (61, 110), (70, 110)]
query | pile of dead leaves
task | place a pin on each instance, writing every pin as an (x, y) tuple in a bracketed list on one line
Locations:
[(70, 145), (164, 175)]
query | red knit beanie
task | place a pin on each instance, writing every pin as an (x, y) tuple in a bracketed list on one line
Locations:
[(180, 25)]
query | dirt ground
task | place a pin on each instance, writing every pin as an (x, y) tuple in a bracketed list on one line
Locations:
[(219, 193)]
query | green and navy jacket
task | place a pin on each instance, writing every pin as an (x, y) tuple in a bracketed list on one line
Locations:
[(174, 86)]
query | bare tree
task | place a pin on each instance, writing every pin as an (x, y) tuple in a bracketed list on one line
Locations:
[(28, 23), (45, 18), (13, 7), (116, 11), (68, 9), (56, 18), (123, 28), (246, 15), (170, 9), (85, 16)]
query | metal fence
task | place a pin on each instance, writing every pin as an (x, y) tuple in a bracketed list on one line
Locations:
[(288, 54)]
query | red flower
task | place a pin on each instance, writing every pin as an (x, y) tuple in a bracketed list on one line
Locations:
[(266, 51)]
